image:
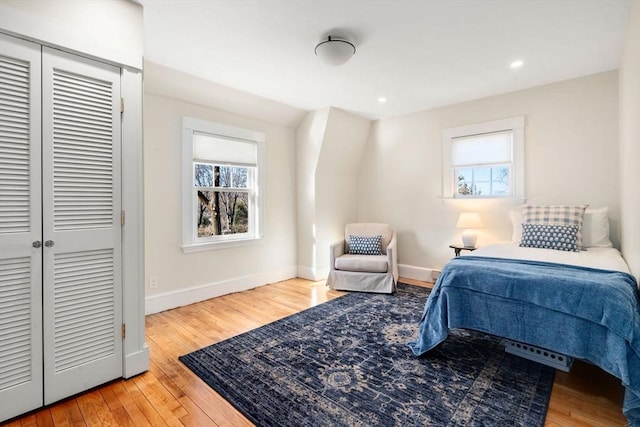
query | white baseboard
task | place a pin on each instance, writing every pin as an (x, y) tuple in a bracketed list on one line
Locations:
[(416, 273), (305, 272), (312, 273), (322, 272), (178, 298), (136, 363)]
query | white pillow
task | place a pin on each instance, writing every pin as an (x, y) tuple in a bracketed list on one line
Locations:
[(595, 229), (516, 221)]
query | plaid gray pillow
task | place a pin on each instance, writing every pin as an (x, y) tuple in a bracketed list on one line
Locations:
[(556, 215)]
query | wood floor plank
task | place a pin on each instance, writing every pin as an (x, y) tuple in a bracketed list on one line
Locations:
[(194, 415), (44, 418), (74, 415), (106, 416), (89, 413), (122, 417), (110, 398), (163, 408), (150, 413), (29, 421), (130, 406), (60, 416), (170, 394)]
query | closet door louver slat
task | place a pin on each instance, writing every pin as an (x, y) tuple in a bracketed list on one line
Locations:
[(15, 319), (14, 146), (91, 288), (93, 146)]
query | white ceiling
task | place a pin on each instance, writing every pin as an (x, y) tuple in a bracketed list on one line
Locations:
[(417, 54)]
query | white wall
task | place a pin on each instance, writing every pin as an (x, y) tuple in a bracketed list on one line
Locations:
[(630, 141), (186, 278), (329, 147), (104, 29), (571, 146)]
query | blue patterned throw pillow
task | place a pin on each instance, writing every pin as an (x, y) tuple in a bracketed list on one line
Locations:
[(558, 237), (365, 245)]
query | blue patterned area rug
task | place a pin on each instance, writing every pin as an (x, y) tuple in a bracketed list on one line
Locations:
[(346, 363)]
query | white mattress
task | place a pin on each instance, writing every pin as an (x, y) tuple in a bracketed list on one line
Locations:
[(601, 258)]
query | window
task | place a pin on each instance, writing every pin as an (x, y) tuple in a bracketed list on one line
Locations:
[(485, 160), (482, 164), (222, 169)]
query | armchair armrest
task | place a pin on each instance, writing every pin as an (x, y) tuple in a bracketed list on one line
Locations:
[(335, 250), (392, 256)]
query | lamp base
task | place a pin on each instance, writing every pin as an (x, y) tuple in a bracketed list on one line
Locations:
[(469, 238)]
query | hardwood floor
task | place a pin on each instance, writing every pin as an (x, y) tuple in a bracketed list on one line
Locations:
[(169, 394)]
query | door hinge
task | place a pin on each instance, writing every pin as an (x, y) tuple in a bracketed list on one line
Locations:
[(124, 331), (121, 105), (122, 217)]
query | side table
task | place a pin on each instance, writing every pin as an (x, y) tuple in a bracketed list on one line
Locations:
[(458, 248)]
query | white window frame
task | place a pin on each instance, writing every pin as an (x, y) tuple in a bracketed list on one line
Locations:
[(513, 124), (190, 241)]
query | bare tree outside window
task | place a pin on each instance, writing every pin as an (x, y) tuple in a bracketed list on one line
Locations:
[(223, 199), (465, 188), (481, 181)]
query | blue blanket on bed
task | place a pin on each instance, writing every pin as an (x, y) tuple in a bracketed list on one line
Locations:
[(581, 312)]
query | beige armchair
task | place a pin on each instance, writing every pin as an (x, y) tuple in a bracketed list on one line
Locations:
[(351, 271)]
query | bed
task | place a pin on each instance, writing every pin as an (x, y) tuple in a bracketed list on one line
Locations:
[(582, 304)]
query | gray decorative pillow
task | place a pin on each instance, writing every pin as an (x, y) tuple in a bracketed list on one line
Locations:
[(558, 237), (365, 245), (555, 215)]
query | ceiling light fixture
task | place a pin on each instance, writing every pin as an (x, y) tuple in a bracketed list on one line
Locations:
[(516, 64), (335, 51), (382, 100)]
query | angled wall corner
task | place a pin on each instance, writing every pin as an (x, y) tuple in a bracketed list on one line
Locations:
[(171, 83), (330, 143), (309, 136), (629, 151)]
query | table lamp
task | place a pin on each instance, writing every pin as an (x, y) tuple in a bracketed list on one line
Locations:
[(469, 221)]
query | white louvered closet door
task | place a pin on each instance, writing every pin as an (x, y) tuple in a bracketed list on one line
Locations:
[(20, 227), (82, 290)]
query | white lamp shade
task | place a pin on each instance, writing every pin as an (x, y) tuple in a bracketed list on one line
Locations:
[(335, 51), (469, 220)]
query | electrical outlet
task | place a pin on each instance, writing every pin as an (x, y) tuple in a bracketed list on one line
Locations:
[(153, 282)]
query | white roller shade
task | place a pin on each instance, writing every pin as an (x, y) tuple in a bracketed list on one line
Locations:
[(484, 149), (222, 150)]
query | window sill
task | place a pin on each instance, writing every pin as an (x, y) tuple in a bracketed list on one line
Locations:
[(225, 244), (507, 201)]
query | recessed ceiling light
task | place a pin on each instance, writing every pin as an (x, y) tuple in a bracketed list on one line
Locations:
[(517, 64), (382, 100)]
